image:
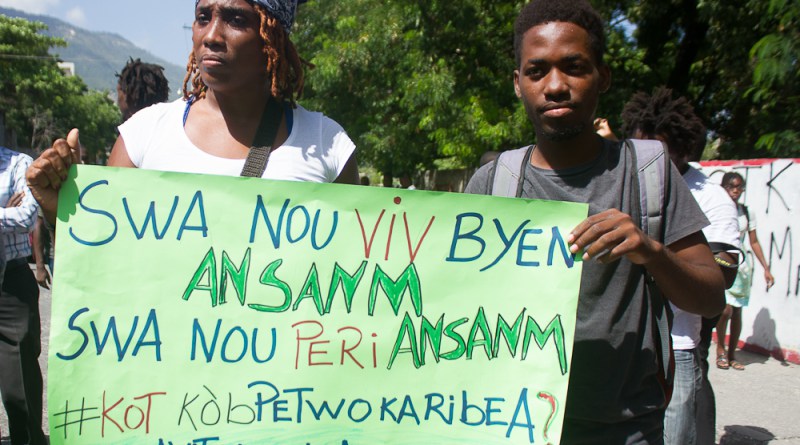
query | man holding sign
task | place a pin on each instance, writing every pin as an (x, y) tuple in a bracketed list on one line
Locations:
[(618, 390)]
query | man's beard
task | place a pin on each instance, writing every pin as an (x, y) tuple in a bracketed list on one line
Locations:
[(562, 134)]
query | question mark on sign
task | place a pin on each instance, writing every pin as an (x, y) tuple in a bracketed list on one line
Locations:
[(547, 397)]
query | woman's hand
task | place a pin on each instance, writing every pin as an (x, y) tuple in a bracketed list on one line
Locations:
[(769, 278), (49, 171)]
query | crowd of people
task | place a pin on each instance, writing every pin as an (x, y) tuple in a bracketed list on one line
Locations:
[(631, 382)]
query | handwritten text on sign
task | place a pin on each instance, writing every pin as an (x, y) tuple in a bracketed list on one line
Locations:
[(203, 309)]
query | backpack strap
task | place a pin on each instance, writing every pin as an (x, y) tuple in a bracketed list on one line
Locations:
[(652, 166), (509, 171), (256, 162)]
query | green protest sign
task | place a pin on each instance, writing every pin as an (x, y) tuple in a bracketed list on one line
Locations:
[(196, 309)]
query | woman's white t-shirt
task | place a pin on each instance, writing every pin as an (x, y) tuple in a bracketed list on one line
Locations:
[(316, 150)]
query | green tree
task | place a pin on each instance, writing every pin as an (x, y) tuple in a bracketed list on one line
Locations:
[(736, 60), (40, 101), (416, 81), (408, 83), (776, 80)]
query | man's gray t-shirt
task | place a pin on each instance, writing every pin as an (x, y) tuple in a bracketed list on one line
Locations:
[(614, 362)]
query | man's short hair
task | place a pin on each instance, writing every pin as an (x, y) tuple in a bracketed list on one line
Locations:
[(578, 12), (673, 119)]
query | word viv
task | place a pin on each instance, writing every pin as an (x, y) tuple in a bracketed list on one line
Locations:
[(412, 244)]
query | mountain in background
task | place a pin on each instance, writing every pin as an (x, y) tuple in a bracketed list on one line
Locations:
[(98, 56)]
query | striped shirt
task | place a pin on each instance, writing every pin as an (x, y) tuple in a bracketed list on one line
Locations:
[(2, 261), (15, 222)]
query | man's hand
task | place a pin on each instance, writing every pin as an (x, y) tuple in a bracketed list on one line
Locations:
[(43, 277), (50, 169), (610, 235), (685, 272), (15, 200)]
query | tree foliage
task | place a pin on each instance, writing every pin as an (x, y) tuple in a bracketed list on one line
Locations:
[(408, 83), (40, 101), (776, 79), (420, 80), (736, 60)]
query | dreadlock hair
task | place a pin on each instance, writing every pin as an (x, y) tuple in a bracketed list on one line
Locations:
[(142, 84), (672, 119), (578, 12), (730, 176), (284, 65)]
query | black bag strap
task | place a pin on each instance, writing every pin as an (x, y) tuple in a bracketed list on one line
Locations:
[(257, 158)]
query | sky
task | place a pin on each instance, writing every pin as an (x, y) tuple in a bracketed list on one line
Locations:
[(154, 25)]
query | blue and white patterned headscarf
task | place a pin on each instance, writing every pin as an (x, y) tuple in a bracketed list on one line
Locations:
[(282, 10)]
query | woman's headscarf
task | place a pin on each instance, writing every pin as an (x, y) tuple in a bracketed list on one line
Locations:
[(282, 10)]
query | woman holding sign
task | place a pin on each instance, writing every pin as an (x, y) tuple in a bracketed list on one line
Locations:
[(238, 115)]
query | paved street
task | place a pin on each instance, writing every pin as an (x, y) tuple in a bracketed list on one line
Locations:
[(758, 406)]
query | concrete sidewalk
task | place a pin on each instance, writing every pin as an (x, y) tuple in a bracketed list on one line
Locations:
[(760, 405), (757, 406)]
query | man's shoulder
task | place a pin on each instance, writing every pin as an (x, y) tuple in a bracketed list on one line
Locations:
[(480, 182), (704, 188), (11, 157), (6, 152), (694, 175), (507, 164)]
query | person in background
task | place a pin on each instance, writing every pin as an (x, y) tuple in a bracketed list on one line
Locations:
[(488, 157), (242, 80), (43, 252), (405, 182), (602, 127), (139, 86), (20, 328), (738, 296), (673, 122), (617, 392)]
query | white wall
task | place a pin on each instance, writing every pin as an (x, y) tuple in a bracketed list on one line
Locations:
[(771, 323)]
